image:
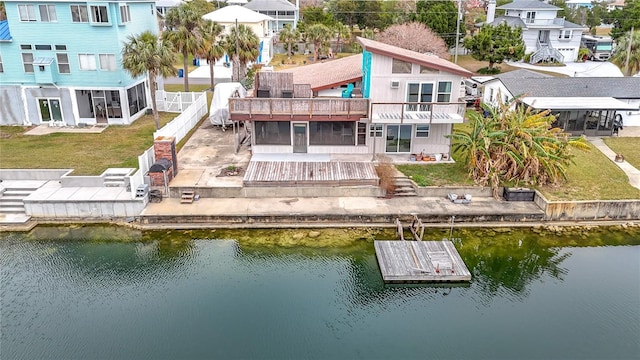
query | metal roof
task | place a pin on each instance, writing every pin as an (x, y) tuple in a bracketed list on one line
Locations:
[(616, 87), (528, 5), (5, 34), (328, 74), (577, 103)]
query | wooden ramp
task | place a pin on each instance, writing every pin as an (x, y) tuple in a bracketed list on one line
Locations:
[(403, 262), (300, 173)]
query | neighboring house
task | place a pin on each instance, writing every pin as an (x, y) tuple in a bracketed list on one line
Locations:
[(546, 36), (408, 105), (61, 62), (163, 6), (583, 105), (232, 15), (282, 11)]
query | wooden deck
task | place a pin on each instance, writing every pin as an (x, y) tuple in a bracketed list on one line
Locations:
[(298, 173), (420, 262)]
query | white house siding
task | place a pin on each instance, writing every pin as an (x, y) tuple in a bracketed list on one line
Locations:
[(34, 93), (493, 90)]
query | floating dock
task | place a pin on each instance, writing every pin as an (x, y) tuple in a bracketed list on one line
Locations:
[(407, 262)]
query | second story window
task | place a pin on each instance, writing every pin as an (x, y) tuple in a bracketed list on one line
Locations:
[(99, 14), (79, 13), (400, 67), (444, 91), (531, 17), (125, 14), (107, 62), (27, 12), (48, 13), (565, 34), (63, 63), (27, 62), (87, 61)]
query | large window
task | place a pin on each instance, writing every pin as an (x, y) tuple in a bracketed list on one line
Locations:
[(79, 13), (331, 133), (99, 14), (137, 99), (63, 63), (125, 14), (273, 132), (531, 17), (27, 12), (444, 91), (50, 110), (399, 138), (27, 62), (419, 92), (400, 67), (107, 62), (422, 130), (87, 61), (48, 13), (375, 130)]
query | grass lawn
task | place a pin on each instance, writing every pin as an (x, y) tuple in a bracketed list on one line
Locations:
[(88, 154), (627, 146), (280, 61)]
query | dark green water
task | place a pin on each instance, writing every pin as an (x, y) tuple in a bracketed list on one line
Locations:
[(75, 293)]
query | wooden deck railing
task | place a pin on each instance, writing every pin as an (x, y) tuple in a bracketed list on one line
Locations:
[(313, 107)]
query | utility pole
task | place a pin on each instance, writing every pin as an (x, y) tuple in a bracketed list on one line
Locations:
[(626, 62), (237, 62), (455, 56)]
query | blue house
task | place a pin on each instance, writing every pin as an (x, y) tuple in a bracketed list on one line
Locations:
[(60, 62)]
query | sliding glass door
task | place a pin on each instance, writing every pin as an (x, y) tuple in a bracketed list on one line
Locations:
[(399, 138)]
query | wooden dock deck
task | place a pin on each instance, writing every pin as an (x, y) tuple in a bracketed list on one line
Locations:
[(293, 173), (403, 262)]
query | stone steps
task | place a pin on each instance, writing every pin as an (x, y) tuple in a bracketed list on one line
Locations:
[(403, 187)]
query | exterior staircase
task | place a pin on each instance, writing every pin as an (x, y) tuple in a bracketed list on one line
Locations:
[(116, 177), (546, 53), (403, 186), (12, 200)]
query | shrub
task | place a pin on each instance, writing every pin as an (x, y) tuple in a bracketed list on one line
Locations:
[(386, 172), (487, 71)]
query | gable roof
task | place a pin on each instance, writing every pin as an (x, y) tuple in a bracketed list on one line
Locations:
[(274, 5), (528, 5), (522, 74), (328, 74), (430, 61), (230, 13), (616, 87)]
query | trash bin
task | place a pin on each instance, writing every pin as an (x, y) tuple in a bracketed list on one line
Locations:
[(180, 73), (195, 62)]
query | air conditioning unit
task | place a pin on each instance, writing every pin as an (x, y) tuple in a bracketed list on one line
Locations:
[(395, 84)]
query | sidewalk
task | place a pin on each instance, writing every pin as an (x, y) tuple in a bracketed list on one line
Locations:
[(632, 173)]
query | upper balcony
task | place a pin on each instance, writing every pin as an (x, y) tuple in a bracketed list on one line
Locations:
[(288, 109), (418, 113)]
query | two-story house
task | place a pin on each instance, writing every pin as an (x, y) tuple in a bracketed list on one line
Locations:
[(408, 105), (61, 63), (546, 36), (282, 11)]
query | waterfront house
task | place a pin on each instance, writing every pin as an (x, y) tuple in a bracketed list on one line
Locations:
[(61, 62), (387, 100), (582, 105), (546, 36)]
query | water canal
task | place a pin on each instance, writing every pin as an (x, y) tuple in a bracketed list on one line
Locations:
[(116, 293)]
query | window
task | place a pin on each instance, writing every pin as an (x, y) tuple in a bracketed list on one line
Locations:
[(26, 47), (419, 93), (331, 133), (27, 62), (107, 62), (137, 98), (565, 35), (27, 12), (273, 132), (48, 13), (375, 130), (491, 94), (125, 14), (422, 130), (43, 47), (1, 66), (50, 110), (87, 61), (79, 13), (400, 67), (444, 91), (99, 14), (61, 47), (531, 17), (63, 63), (362, 133)]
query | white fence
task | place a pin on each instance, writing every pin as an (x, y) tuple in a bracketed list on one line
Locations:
[(195, 107), (175, 102)]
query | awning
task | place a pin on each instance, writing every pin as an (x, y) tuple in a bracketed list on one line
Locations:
[(423, 117), (577, 103), (42, 61)]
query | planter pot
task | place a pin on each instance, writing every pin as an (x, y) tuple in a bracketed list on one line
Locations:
[(518, 194)]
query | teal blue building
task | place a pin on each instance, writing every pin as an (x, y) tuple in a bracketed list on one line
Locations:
[(60, 62)]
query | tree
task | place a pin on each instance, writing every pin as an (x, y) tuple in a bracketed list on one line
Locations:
[(496, 44), (439, 16), (185, 31), (245, 52), (515, 145), (320, 36), (289, 37), (595, 15), (344, 11), (621, 53), (369, 13), (342, 33), (146, 54), (626, 18), (414, 36), (211, 48)]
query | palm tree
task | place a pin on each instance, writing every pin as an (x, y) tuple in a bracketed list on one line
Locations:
[(212, 47), (342, 33), (621, 53), (146, 54), (515, 145), (185, 31), (242, 44), (289, 37), (319, 35)]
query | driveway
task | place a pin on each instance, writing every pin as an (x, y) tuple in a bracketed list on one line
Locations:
[(583, 69)]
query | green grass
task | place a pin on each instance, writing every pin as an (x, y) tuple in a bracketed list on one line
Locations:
[(88, 154), (627, 146), (437, 174)]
